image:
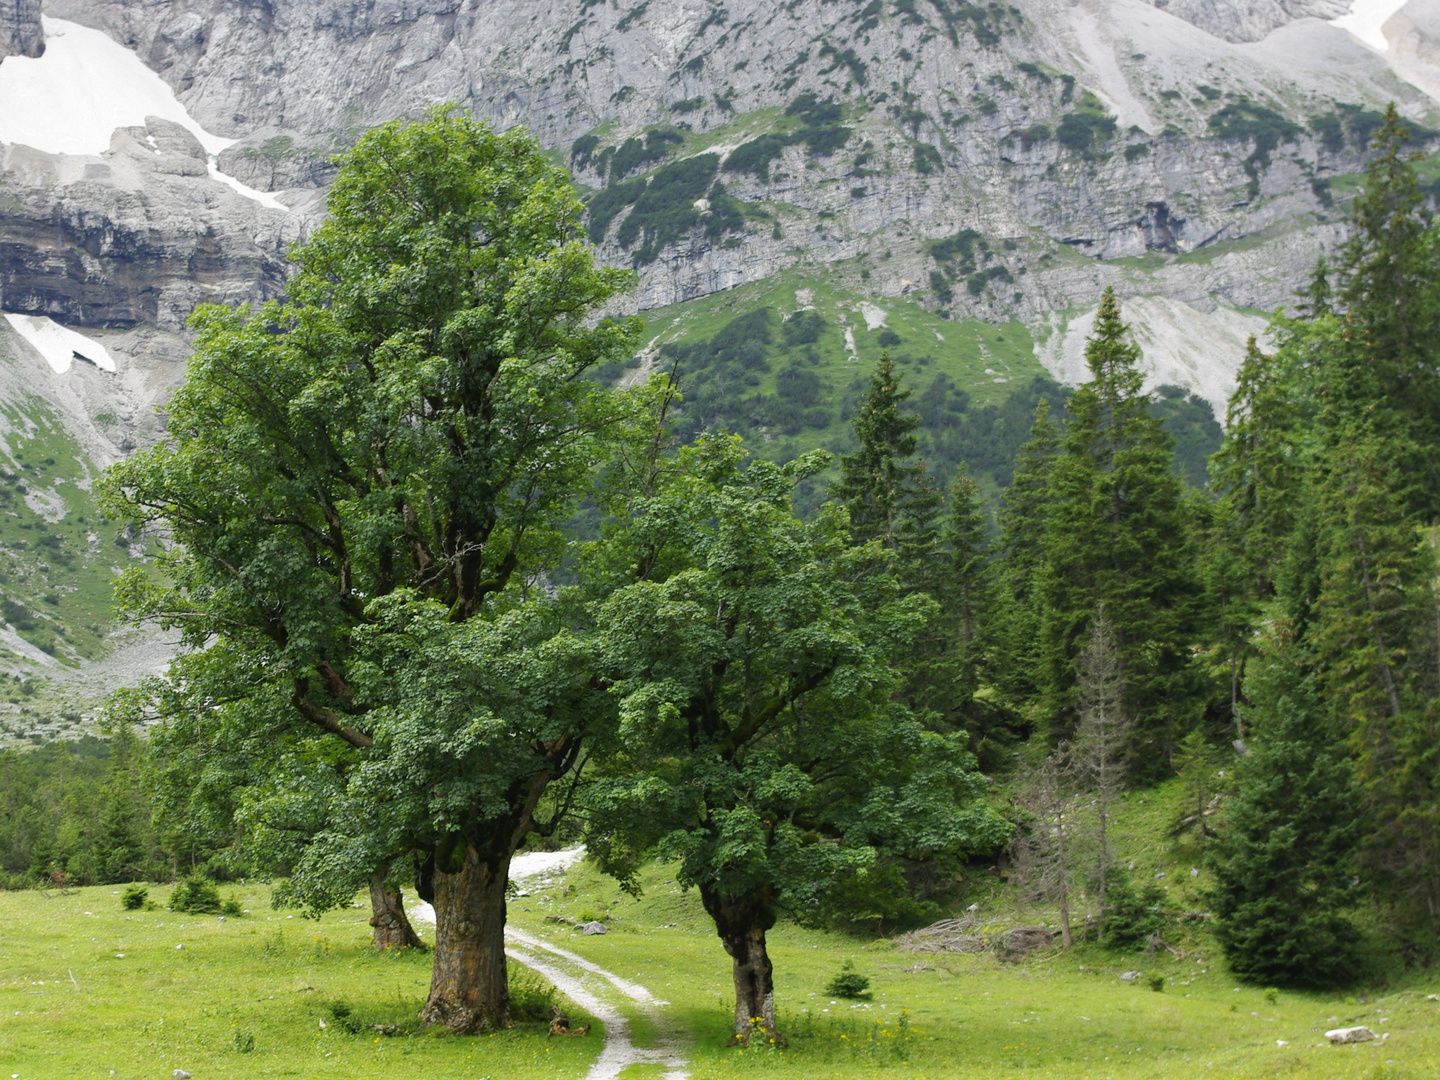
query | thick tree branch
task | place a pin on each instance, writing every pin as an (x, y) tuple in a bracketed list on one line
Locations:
[(327, 719)]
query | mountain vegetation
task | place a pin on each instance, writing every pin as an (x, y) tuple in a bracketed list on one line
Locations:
[(449, 582)]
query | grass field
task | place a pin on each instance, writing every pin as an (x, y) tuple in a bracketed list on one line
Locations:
[(86, 987)]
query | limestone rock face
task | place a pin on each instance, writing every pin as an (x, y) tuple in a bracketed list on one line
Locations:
[(137, 236), (20, 31), (295, 83)]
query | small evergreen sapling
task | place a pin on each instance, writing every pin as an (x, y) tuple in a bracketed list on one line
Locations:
[(1197, 763), (849, 983), (196, 895), (1130, 914)]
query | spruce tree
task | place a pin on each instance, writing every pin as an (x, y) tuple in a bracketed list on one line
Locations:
[(1285, 859), (1389, 276), (1101, 755), (887, 490), (118, 851), (1245, 533), (1117, 535), (957, 656), (1257, 468), (1015, 625), (966, 585), (1374, 637)]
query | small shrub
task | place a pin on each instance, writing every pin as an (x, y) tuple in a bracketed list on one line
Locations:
[(1085, 130), (1272, 996), (342, 1015), (196, 896), (274, 945), (927, 159), (531, 997), (1157, 983), (1032, 135), (1264, 128), (244, 1042), (1131, 914), (133, 899), (942, 289), (803, 328), (849, 983), (888, 338), (232, 908)]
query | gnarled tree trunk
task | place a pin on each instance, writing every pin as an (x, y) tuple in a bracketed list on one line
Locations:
[(387, 914), (469, 990), (741, 922)]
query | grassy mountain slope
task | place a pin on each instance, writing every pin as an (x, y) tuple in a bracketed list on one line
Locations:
[(785, 361), (58, 557)]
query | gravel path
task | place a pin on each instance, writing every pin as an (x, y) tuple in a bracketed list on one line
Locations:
[(587, 984)]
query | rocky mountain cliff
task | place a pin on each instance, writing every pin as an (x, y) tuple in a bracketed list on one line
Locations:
[(20, 30), (954, 180), (1108, 129)]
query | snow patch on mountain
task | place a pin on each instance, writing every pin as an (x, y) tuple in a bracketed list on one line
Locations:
[(71, 99), (60, 346)]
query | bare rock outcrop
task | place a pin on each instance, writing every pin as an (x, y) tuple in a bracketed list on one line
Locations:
[(20, 30), (137, 236)]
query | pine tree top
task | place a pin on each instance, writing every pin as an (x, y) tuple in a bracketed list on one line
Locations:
[(1112, 357), (889, 497)]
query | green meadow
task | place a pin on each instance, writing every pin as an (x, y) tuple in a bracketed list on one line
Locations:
[(87, 987)]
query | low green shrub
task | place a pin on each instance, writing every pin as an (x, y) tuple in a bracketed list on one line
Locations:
[(1131, 914), (531, 997), (342, 1015), (196, 896), (849, 983), (133, 899)]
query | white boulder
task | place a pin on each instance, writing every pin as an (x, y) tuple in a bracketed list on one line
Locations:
[(1350, 1035)]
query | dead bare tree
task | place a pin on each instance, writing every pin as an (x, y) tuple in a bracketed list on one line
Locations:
[(1042, 853), (1102, 740)]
